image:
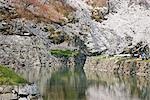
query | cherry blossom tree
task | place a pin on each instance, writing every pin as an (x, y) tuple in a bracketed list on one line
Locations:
[(53, 10)]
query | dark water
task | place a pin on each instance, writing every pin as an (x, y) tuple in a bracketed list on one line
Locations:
[(68, 85)]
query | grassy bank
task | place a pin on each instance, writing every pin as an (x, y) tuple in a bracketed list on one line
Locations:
[(9, 77), (64, 53)]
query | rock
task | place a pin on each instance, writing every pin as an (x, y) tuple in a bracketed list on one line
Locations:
[(1, 89), (14, 97), (6, 96), (21, 92), (97, 15), (27, 90), (7, 89), (59, 37), (26, 34), (23, 99), (123, 66)]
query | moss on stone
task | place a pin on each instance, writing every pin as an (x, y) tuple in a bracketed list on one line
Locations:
[(64, 53), (9, 77)]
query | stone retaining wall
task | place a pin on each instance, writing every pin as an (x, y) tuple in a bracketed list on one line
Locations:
[(122, 66), (25, 92)]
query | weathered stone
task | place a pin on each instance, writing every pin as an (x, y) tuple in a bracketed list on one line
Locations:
[(7, 89), (1, 89), (22, 99), (14, 97), (129, 67)]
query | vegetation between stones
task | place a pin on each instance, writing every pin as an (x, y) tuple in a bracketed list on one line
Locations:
[(64, 53), (9, 77)]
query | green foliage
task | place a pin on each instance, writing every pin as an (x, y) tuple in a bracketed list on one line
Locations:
[(9, 77), (64, 53)]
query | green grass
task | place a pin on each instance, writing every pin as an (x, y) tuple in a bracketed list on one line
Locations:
[(9, 77), (64, 53)]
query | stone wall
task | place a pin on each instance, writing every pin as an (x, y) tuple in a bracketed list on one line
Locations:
[(99, 64), (25, 47), (26, 44), (120, 66), (29, 92), (132, 67)]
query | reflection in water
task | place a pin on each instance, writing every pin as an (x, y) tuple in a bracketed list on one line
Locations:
[(80, 85), (66, 85), (106, 86)]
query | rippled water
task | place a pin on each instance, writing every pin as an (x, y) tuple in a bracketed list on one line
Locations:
[(88, 85)]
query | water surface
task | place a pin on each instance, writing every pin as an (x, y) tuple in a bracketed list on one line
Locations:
[(87, 85), (67, 85)]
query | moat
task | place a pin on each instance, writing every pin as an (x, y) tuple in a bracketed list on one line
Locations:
[(80, 85)]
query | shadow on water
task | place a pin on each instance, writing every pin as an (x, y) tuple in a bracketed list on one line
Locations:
[(66, 85)]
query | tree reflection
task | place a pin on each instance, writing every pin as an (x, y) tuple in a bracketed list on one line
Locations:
[(66, 85)]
